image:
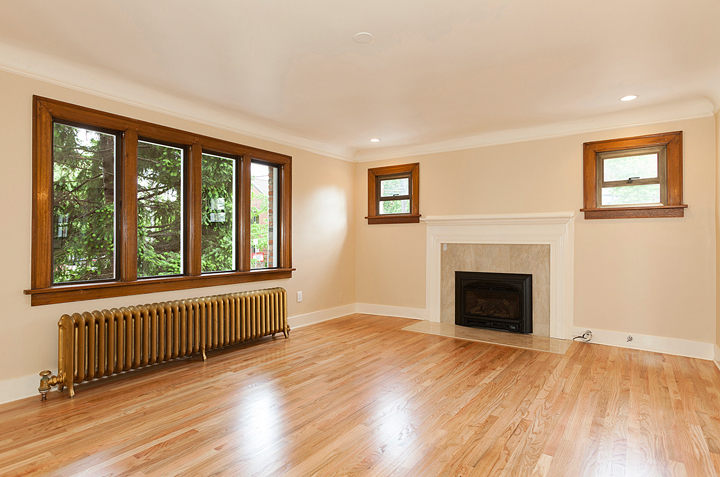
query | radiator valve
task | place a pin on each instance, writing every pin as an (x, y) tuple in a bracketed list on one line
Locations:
[(47, 381)]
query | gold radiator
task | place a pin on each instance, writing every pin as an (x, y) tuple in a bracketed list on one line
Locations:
[(101, 343)]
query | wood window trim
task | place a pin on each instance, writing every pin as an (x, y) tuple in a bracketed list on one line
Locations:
[(672, 141), (42, 290), (375, 175)]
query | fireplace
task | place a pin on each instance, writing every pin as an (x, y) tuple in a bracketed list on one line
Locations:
[(498, 301)]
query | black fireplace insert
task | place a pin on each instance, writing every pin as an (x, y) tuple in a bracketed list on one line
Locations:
[(498, 301)]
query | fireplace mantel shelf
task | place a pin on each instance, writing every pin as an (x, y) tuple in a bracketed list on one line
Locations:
[(500, 219)]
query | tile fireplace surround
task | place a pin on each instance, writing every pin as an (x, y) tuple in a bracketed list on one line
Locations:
[(541, 241), (533, 259)]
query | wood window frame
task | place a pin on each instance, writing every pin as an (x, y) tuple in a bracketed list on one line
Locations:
[(377, 174), (42, 290), (672, 175)]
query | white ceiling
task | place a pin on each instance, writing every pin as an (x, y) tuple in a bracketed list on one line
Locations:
[(438, 75)]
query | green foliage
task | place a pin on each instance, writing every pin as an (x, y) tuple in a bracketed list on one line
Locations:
[(638, 194), (391, 207), (83, 205), (390, 187), (394, 206), (623, 168), (217, 234), (159, 210), (84, 209)]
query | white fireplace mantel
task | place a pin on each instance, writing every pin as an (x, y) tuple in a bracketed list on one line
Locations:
[(554, 229)]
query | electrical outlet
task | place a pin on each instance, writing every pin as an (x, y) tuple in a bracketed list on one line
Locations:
[(299, 296)]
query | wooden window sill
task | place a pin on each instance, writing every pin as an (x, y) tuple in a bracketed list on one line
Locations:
[(93, 291), (635, 212), (394, 219)]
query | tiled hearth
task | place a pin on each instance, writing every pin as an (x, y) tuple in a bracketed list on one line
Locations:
[(537, 343)]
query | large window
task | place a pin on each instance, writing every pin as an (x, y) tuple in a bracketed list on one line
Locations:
[(83, 204), (159, 206), (264, 208), (634, 177), (219, 240), (123, 207), (394, 194)]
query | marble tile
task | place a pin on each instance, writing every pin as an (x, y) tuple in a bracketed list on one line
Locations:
[(515, 340), (502, 258)]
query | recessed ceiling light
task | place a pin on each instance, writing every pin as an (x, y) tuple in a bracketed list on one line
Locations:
[(374, 140), (363, 37), (629, 97)]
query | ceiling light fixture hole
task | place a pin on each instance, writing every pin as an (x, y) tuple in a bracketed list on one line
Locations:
[(375, 139), (363, 37), (629, 97)]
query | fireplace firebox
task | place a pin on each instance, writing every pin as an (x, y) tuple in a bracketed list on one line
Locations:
[(498, 301)]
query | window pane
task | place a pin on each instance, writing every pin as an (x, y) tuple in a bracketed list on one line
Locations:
[(263, 216), (639, 194), (392, 187), (159, 210), (83, 205), (395, 206), (218, 216), (622, 168)]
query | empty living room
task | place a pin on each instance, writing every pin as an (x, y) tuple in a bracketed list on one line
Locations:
[(372, 238)]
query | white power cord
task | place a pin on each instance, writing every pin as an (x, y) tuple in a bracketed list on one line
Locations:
[(586, 337)]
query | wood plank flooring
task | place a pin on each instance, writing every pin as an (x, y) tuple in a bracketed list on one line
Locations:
[(360, 396)]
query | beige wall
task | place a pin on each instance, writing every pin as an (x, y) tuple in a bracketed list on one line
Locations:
[(647, 276), (717, 225), (655, 277), (323, 229)]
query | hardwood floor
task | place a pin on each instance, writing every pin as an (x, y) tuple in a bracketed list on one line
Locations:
[(360, 396)]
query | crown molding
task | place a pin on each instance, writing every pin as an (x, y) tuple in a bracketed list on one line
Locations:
[(697, 108), (89, 80)]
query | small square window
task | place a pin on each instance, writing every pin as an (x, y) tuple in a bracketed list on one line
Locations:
[(633, 177), (393, 194)]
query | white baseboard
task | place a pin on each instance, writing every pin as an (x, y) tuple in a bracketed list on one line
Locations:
[(659, 344), (387, 310), (320, 316), (716, 358), (20, 388)]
